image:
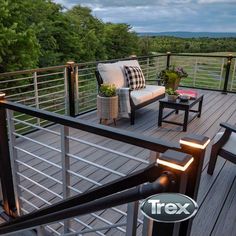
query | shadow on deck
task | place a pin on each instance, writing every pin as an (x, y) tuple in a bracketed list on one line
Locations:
[(217, 193)]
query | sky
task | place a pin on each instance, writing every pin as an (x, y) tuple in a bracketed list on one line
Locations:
[(164, 15)]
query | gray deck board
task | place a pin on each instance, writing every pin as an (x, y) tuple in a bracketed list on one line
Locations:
[(217, 193)]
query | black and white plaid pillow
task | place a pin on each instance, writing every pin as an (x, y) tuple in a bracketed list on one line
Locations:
[(134, 76)]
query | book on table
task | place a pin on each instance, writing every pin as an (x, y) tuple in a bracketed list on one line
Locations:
[(191, 93)]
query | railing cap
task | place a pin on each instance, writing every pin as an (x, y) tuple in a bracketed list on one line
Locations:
[(70, 62), (174, 159), (2, 95), (195, 141)]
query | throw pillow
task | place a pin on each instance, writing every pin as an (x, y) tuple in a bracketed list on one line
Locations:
[(135, 77)]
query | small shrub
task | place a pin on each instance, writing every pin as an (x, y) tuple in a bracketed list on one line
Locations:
[(107, 90)]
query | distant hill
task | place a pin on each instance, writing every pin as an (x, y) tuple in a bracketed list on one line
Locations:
[(183, 34)]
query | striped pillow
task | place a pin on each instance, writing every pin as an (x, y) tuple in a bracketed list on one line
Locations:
[(134, 76)]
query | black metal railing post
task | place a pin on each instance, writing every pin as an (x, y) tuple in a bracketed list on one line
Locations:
[(227, 73), (71, 87), (9, 203), (178, 185), (194, 145), (168, 54)]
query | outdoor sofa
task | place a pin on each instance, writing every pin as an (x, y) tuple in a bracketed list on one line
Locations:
[(116, 73)]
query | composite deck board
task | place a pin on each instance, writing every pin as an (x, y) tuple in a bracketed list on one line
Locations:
[(227, 217), (216, 193)]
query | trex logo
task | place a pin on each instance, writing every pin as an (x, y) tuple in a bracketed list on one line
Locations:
[(169, 207)]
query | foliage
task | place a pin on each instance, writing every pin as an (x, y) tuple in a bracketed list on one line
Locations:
[(19, 47), (119, 41), (107, 90), (171, 91), (41, 33), (180, 71), (163, 44), (169, 76)]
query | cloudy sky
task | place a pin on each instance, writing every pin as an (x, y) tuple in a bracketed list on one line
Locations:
[(165, 15)]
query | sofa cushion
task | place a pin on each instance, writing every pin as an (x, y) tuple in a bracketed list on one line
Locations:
[(111, 73), (156, 90), (134, 76), (230, 146), (128, 63), (143, 95), (140, 96)]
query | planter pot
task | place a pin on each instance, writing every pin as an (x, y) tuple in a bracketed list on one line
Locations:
[(174, 85), (107, 107), (171, 98)]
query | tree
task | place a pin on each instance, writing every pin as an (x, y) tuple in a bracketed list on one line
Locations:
[(120, 41), (19, 47)]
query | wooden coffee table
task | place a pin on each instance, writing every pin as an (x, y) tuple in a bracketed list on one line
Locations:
[(178, 105)]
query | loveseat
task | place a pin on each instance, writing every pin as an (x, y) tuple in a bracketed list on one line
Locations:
[(116, 73)]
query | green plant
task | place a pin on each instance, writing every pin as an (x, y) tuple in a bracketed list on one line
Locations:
[(170, 76), (171, 91), (107, 90)]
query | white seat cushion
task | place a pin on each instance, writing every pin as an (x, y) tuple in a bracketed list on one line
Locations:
[(230, 146), (113, 73), (156, 90), (145, 94), (140, 96)]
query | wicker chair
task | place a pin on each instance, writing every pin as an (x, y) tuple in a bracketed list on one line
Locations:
[(224, 146)]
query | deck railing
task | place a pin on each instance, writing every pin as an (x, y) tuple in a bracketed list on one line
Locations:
[(77, 158), (56, 89)]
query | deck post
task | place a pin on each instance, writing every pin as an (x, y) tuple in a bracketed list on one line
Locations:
[(194, 145), (168, 54), (65, 167), (132, 218), (178, 185), (227, 73), (71, 86), (9, 203)]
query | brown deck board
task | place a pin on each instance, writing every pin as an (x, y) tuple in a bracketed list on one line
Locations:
[(217, 193)]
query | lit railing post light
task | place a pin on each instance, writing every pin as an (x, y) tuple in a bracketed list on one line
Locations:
[(195, 141), (177, 163), (175, 160)]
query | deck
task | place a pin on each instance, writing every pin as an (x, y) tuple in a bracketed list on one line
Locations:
[(217, 193)]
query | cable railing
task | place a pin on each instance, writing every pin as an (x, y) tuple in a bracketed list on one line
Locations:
[(213, 72), (43, 88), (66, 157), (72, 89), (56, 170)]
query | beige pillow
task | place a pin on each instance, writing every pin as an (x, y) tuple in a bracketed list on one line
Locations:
[(129, 63), (114, 73), (111, 73)]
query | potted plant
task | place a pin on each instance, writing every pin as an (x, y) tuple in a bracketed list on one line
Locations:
[(172, 94), (171, 77), (107, 102)]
